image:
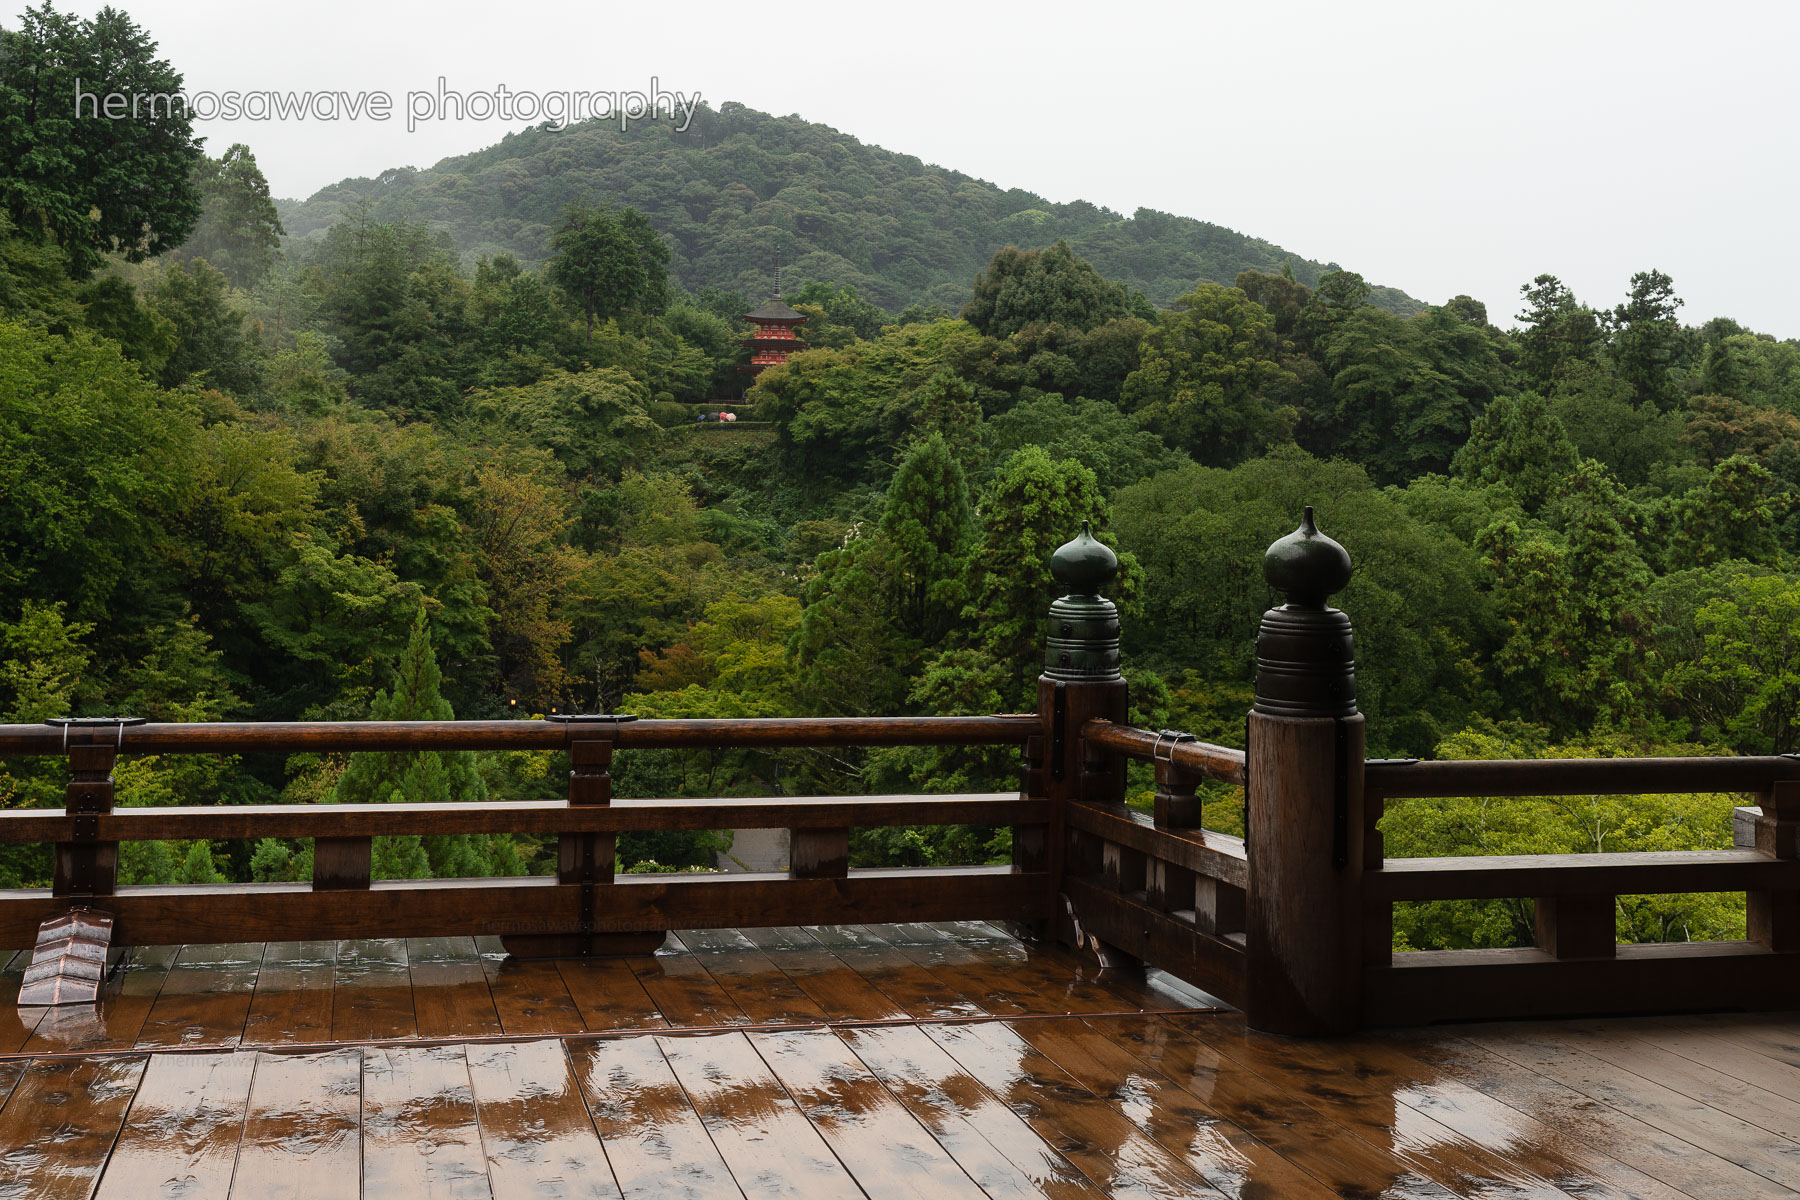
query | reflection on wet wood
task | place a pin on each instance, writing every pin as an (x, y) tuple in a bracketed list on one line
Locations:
[(60, 1123), (827, 980), (205, 998), (373, 998), (1618, 1132), (880, 1143), (116, 1022), (293, 994), (1305, 1137), (450, 988), (535, 1129), (1223, 1153), (654, 1139), (754, 983), (182, 1136), (684, 992), (419, 1131), (1107, 1148), (16, 1024), (920, 993), (772, 1149), (302, 1129), (608, 994), (988, 1139), (531, 997)]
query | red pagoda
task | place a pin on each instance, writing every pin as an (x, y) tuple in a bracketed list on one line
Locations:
[(774, 339)]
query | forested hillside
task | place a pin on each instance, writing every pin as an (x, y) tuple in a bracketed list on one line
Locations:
[(738, 188), (349, 475)]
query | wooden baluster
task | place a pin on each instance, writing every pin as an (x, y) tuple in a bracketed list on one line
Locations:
[(819, 853), (1774, 917), (1576, 926), (87, 866), (1378, 913), (342, 864), (1304, 915), (587, 859), (1168, 887)]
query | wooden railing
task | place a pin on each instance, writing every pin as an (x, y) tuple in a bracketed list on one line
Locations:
[(1577, 965), (585, 906), (1293, 922)]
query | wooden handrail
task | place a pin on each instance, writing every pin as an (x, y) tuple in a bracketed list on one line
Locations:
[(535, 816), (1579, 776), (1500, 876), (240, 737), (1203, 758)]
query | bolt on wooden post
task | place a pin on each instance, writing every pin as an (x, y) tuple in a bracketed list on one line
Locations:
[(1304, 791), (1080, 681)]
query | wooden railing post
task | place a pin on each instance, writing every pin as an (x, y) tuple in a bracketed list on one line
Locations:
[(87, 866), (1304, 912), (1774, 917), (1080, 681)]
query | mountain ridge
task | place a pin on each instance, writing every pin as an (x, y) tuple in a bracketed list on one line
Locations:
[(740, 189)]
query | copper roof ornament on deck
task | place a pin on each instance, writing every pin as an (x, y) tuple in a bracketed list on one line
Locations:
[(69, 962)]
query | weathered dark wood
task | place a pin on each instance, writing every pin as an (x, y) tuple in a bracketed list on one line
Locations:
[(302, 1129), (117, 1020), (1576, 925), (239, 737), (84, 1101), (68, 964), (205, 998), (292, 1002), (85, 863), (1578, 776), (1622, 874), (652, 1135), (1202, 758), (1217, 855), (532, 998), (1424, 986), (1210, 963), (183, 1132), (373, 995), (760, 1132), (1773, 914), (819, 853), (538, 817), (755, 984), (419, 1132), (159, 915), (341, 863), (884, 1148), (990, 1141), (1304, 899), (451, 997), (535, 1128)]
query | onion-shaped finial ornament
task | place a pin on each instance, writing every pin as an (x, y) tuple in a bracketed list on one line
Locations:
[(1307, 565), (1084, 564)]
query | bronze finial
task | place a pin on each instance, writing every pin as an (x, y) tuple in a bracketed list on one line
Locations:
[(1306, 650), (1084, 625)]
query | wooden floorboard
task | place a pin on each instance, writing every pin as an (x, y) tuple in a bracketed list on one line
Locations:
[(205, 998), (923, 1060), (182, 1136), (535, 1129), (302, 1129)]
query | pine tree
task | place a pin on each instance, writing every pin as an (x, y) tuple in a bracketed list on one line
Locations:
[(422, 777)]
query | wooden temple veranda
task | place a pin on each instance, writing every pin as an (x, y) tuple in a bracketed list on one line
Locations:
[(1134, 1006)]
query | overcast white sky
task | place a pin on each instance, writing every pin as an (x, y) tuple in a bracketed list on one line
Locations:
[(1439, 147)]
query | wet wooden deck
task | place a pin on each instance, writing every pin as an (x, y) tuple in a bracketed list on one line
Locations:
[(927, 1061)]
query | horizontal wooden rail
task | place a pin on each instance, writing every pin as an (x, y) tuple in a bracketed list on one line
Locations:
[(1577, 776), (1203, 758), (1533, 875), (235, 737), (1214, 855), (1432, 985), (257, 912), (537, 816)]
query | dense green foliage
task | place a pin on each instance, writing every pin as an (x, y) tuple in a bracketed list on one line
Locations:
[(739, 190), (354, 476)]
